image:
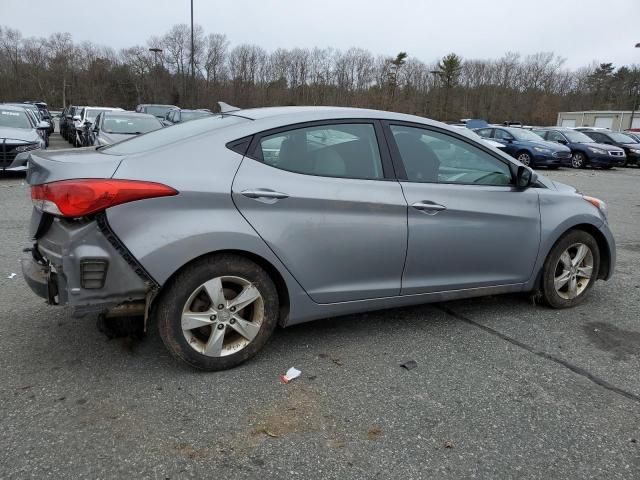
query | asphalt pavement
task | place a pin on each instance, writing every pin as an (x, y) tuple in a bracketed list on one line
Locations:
[(504, 388)]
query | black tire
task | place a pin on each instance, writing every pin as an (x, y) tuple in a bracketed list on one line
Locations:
[(525, 158), (168, 309), (578, 160), (549, 293)]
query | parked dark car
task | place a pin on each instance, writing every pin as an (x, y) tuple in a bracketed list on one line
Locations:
[(629, 144), (45, 114), (113, 127), (67, 128), (527, 147), (178, 115), (159, 111), (585, 151)]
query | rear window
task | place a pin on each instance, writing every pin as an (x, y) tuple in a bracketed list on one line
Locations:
[(167, 136)]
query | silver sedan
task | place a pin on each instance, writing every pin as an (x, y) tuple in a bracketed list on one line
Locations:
[(222, 228)]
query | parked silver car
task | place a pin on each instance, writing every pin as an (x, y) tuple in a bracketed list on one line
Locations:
[(18, 135), (226, 226), (113, 127)]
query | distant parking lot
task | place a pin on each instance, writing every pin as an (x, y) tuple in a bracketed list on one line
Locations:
[(504, 388)]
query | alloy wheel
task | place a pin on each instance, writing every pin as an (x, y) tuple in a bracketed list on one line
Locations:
[(573, 271), (525, 159), (222, 316), (577, 160)]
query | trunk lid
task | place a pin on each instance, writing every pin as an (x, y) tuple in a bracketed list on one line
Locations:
[(51, 166)]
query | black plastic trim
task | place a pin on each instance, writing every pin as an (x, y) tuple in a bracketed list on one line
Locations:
[(105, 228), (241, 145)]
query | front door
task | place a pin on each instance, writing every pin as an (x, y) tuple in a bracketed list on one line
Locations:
[(319, 198), (468, 226)]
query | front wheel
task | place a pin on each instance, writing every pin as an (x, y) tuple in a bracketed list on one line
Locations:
[(578, 160), (524, 158), (218, 312), (570, 269)]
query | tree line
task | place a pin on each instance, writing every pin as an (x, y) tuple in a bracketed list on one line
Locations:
[(530, 89)]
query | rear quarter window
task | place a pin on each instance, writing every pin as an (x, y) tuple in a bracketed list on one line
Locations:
[(167, 136)]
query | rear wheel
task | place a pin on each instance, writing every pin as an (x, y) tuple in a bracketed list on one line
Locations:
[(570, 269), (218, 312), (578, 160), (524, 158)]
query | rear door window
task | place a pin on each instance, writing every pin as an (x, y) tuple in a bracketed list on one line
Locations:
[(336, 150)]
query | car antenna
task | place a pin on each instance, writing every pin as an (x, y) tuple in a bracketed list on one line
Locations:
[(226, 108)]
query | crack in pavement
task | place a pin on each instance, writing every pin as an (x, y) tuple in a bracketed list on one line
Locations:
[(575, 369)]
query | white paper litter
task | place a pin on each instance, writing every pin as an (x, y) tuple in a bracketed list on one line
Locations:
[(12, 275), (291, 374)]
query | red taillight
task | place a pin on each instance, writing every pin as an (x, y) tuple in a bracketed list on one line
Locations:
[(80, 197)]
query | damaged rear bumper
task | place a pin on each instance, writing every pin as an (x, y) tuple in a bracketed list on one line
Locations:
[(82, 264)]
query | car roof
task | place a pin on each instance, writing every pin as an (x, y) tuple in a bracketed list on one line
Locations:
[(156, 105), (15, 108), (129, 114), (306, 114)]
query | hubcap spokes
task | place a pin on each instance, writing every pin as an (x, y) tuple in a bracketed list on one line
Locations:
[(222, 316), (573, 271)]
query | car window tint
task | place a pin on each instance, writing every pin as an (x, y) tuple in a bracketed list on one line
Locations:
[(341, 150), (541, 133), (598, 137), (433, 157), (167, 136), (554, 136), (501, 134)]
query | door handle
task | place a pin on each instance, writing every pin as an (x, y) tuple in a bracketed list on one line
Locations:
[(264, 193), (428, 207)]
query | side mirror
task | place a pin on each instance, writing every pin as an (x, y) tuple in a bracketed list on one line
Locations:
[(562, 141), (77, 118), (42, 125), (525, 177)]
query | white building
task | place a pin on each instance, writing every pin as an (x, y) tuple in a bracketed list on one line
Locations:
[(613, 120)]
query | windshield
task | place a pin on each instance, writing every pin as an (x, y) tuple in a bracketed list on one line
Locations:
[(621, 138), (14, 119), (167, 136), (127, 125), (158, 110), (524, 134), (578, 137), (192, 115)]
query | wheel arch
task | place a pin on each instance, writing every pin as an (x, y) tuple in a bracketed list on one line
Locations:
[(279, 281), (603, 246)]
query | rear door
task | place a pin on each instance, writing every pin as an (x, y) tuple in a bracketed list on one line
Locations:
[(469, 227), (323, 197)]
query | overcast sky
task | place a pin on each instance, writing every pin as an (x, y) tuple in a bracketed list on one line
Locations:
[(579, 30)]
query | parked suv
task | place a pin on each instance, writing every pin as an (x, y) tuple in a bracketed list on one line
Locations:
[(527, 147), (629, 144), (584, 150)]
